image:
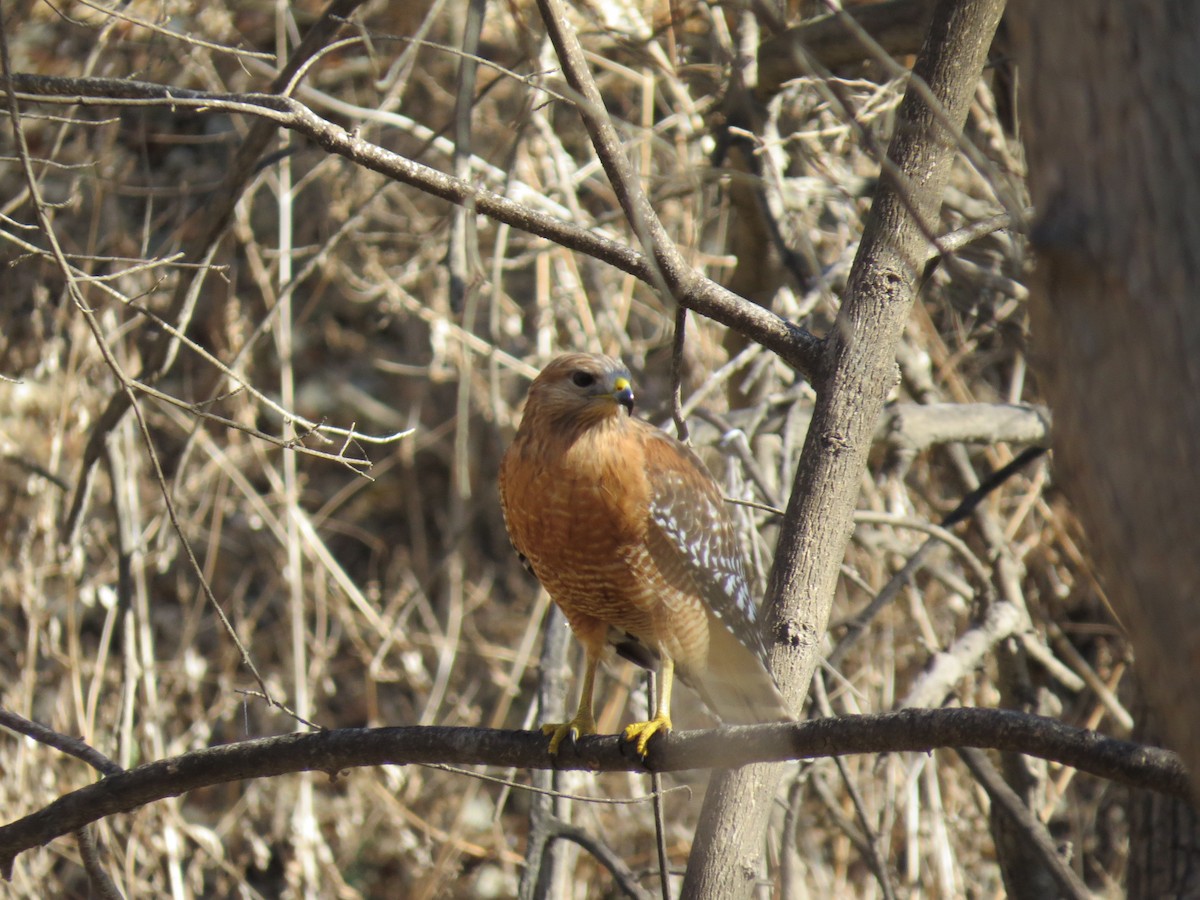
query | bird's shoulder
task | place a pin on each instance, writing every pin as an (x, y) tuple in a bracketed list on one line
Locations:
[(673, 466)]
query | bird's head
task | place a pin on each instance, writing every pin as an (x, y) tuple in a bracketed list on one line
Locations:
[(584, 387)]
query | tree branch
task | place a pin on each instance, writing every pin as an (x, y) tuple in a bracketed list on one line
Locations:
[(670, 270), (916, 426), (1032, 830), (859, 372), (335, 751), (795, 346)]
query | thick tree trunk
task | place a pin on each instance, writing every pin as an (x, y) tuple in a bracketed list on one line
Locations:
[(1112, 127), (1164, 831)]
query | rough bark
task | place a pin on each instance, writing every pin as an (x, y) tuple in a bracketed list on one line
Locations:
[(859, 371), (1113, 135), (1164, 832)]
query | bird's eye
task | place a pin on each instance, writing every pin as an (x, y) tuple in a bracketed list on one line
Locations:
[(583, 379)]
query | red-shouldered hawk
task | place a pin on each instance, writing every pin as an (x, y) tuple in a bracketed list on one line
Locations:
[(629, 534)]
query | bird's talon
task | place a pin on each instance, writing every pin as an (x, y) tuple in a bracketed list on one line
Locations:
[(641, 732), (560, 731)]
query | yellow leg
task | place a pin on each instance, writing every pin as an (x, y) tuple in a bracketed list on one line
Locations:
[(643, 731), (584, 721)]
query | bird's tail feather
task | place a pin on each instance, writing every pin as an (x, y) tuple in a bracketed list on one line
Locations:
[(736, 684)]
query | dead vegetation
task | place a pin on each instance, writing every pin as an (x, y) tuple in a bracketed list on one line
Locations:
[(368, 577)]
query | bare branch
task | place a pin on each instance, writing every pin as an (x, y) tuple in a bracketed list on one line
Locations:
[(915, 426), (858, 375), (790, 342), (1030, 827), (335, 751), (70, 745)]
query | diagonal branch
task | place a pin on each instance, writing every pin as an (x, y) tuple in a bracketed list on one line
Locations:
[(672, 272), (794, 345), (859, 373), (1029, 826)]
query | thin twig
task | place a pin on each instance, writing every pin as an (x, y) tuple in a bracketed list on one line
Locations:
[(660, 816), (621, 873), (89, 855), (70, 745), (875, 858), (677, 359)]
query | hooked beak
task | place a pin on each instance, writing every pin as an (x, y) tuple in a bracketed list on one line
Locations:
[(623, 393)]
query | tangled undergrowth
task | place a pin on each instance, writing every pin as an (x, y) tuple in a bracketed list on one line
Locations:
[(366, 571)]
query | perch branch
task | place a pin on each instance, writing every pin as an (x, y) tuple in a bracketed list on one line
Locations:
[(332, 752)]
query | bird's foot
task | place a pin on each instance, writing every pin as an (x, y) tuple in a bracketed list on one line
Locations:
[(643, 731), (582, 724)]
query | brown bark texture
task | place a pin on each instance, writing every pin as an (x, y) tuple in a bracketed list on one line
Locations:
[(1164, 832), (1113, 136)]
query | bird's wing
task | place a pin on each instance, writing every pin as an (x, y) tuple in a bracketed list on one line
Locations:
[(691, 535)]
